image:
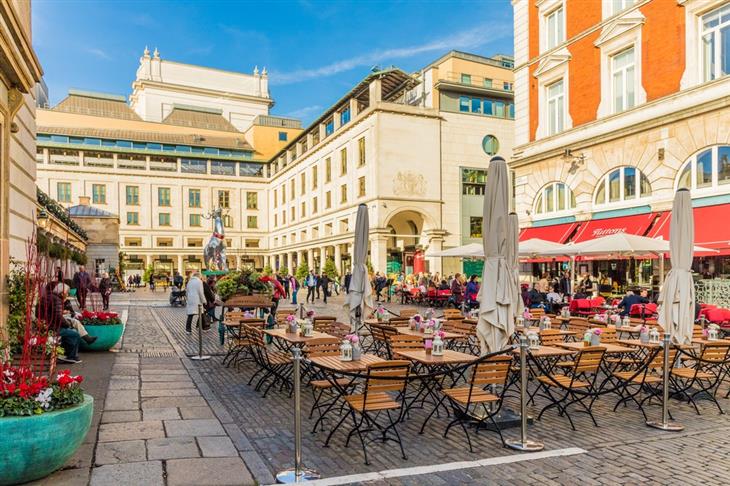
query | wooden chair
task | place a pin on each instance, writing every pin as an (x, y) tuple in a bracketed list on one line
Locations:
[(703, 378), (577, 386), (408, 312), (398, 321), (323, 320), (466, 400), (648, 381), (403, 342), (275, 365), (450, 314), (381, 334), (321, 387), (282, 314), (550, 337), (382, 380), (579, 325)]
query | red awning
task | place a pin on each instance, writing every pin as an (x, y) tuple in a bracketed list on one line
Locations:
[(711, 228), (635, 225), (558, 233)]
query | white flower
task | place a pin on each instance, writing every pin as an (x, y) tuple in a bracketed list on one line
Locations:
[(44, 398), (33, 341)]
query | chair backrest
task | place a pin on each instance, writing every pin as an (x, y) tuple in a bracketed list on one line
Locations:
[(657, 362), (282, 314), (408, 312), (322, 347), (233, 317), (589, 360), (337, 329), (387, 376), (492, 371), (697, 332), (398, 321), (255, 322), (715, 352), (579, 325), (537, 312), (255, 336), (323, 319), (609, 335), (549, 337), (404, 342), (450, 314), (464, 327)]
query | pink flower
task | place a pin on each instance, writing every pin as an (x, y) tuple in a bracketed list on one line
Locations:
[(598, 331), (428, 344), (353, 338), (290, 318), (441, 334), (417, 318)]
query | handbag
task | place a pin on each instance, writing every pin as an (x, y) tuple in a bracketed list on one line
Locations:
[(206, 321)]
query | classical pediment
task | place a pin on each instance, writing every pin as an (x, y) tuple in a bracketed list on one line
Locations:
[(548, 63), (620, 26)]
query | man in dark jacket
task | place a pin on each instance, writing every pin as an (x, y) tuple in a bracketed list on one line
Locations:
[(82, 282), (324, 282), (629, 300), (348, 277), (50, 310)]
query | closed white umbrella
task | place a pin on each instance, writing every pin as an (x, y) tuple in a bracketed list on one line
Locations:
[(359, 296), (496, 323), (677, 298), (513, 261)]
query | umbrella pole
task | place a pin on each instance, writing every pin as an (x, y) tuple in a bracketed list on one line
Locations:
[(572, 276), (524, 444), (665, 424)]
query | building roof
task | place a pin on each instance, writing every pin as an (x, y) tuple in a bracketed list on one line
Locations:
[(86, 211), (495, 61), (238, 143), (195, 117), (96, 104)]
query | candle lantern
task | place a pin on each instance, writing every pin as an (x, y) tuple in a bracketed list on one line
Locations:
[(713, 332), (437, 347), (346, 351), (533, 339), (654, 337)]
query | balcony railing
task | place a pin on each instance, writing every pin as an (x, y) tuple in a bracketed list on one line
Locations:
[(64, 159), (99, 161), (479, 81)]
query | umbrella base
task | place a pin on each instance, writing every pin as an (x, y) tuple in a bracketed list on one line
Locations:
[(505, 419), (669, 426), (290, 476), (527, 446)]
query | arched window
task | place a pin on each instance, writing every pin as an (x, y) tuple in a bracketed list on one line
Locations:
[(554, 197), (622, 184), (707, 169)]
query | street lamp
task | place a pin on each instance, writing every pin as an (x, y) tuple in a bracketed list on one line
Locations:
[(42, 219)]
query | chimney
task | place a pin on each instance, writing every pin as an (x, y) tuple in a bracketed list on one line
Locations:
[(84, 200)]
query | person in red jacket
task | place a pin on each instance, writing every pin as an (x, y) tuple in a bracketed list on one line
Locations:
[(279, 291)]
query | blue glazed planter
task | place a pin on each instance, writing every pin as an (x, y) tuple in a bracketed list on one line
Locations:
[(106, 337), (33, 447)]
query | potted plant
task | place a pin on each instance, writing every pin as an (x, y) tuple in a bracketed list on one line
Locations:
[(106, 326)]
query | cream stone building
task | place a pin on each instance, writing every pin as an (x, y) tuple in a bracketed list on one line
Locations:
[(616, 111), (19, 73), (414, 152)]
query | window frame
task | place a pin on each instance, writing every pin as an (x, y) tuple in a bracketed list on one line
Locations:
[(164, 202), (624, 71), (549, 116), (559, 27), (66, 193), (134, 195), (160, 217), (540, 200), (715, 187), (98, 193), (622, 201), (716, 32), (136, 218)]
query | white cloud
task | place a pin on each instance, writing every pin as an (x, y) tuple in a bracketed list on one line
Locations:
[(100, 53), (470, 39), (304, 112)]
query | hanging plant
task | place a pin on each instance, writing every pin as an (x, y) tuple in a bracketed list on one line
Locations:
[(55, 250), (42, 243)]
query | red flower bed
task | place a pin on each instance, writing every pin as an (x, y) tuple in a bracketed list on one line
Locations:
[(89, 318), (23, 392)]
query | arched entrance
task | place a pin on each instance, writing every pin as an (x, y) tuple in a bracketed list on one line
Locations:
[(405, 246)]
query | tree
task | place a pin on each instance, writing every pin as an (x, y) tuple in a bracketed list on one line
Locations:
[(302, 271), (268, 270), (330, 269), (147, 273)]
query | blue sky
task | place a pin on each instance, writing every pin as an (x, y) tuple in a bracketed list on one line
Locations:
[(314, 50)]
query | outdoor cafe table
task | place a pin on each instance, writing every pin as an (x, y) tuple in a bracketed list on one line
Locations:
[(548, 356), (558, 332), (610, 347), (427, 363), (329, 367), (412, 332), (287, 340)]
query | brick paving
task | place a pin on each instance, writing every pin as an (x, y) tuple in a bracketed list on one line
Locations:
[(622, 450)]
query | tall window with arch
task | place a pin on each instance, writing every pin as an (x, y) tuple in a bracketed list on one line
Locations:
[(708, 170), (554, 197), (620, 185)]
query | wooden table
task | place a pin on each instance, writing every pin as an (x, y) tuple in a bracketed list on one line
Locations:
[(557, 332), (449, 357), (334, 363), (703, 341), (610, 347), (412, 332), (545, 352), (295, 339)]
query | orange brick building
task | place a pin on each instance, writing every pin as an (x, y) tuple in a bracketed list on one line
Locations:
[(618, 104)]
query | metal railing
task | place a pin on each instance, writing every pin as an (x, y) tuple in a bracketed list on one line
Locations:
[(479, 81)]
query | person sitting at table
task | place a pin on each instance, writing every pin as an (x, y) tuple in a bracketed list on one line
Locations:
[(537, 299), (553, 298), (444, 285), (472, 290), (629, 300)]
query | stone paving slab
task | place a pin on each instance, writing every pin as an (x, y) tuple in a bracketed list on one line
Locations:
[(133, 473), (193, 427), (172, 448), (169, 413), (209, 471), (167, 402), (170, 392), (120, 451), (217, 447), (149, 429)]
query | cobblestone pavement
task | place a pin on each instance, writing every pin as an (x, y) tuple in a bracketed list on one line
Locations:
[(621, 450)]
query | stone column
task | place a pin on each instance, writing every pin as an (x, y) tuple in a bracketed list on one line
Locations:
[(300, 257), (180, 268), (435, 243), (322, 256), (290, 262), (338, 258), (378, 252), (310, 258)]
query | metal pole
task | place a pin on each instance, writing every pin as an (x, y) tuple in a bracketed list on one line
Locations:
[(300, 473), (301, 310), (524, 444), (200, 356), (665, 424)]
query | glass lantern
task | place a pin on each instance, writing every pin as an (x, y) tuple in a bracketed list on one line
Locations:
[(346, 351), (654, 337), (533, 339), (713, 332), (437, 347)]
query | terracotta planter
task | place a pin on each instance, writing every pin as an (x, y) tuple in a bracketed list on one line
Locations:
[(35, 446)]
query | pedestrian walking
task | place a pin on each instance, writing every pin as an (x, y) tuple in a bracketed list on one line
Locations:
[(105, 289), (294, 288), (195, 296), (348, 277), (311, 283), (82, 282), (324, 282)]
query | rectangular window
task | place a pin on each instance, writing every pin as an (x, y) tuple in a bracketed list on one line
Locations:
[(224, 199), (499, 109), (328, 200), (556, 108), (361, 187), (623, 80), (163, 196), (164, 219), (293, 191), (283, 136), (329, 127), (344, 116), (487, 83), (716, 43), (328, 169), (629, 182), (252, 200), (488, 107), (314, 177), (723, 165), (704, 169), (195, 220), (276, 220), (554, 28), (614, 186), (314, 205), (475, 227), (133, 218), (221, 167), (343, 193), (464, 104), (361, 151), (303, 188), (193, 166), (473, 182), (476, 105), (465, 78), (304, 210), (252, 222), (132, 195), (283, 193), (227, 221), (98, 194), (276, 201), (343, 161), (63, 192), (619, 5), (194, 198)]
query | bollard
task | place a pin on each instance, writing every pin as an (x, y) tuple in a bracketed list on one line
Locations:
[(524, 444), (665, 424), (200, 356), (300, 473)]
